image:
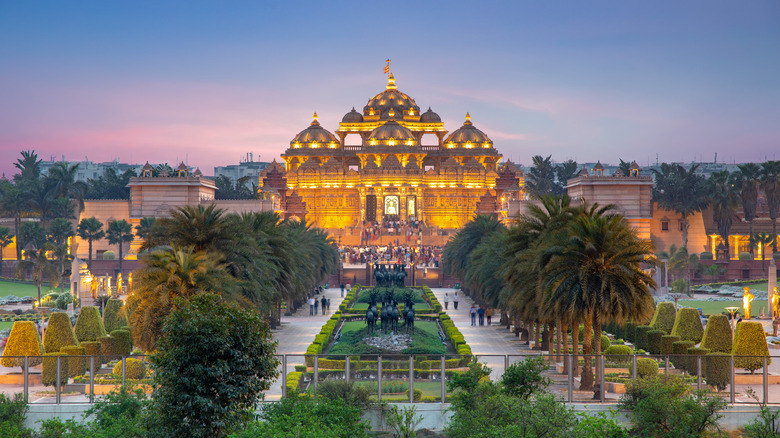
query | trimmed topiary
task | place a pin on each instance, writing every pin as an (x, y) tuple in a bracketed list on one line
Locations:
[(23, 341), (717, 335), (687, 325), (666, 343), (679, 352), (605, 343), (89, 325), (750, 346), (59, 333), (122, 343), (113, 317), (641, 336), (49, 372), (645, 367), (663, 318), (630, 332), (654, 341), (77, 363), (107, 348), (619, 353), (134, 369), (692, 366), (718, 370)]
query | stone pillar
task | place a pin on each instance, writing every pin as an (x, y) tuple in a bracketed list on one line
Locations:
[(772, 276)]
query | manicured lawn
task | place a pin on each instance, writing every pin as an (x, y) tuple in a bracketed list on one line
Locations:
[(6, 324), (23, 290), (717, 307), (429, 327)]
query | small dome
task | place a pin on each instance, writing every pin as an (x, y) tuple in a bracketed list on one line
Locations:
[(352, 117), (467, 136), (147, 166), (315, 136), (392, 134), (198, 173), (430, 117)]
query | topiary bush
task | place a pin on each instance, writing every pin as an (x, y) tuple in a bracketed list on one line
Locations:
[(107, 348), (717, 335), (113, 317), (641, 336), (59, 333), (630, 332), (77, 363), (679, 352), (666, 343), (664, 316), (645, 367), (691, 364), (134, 369), (49, 372), (687, 325), (122, 343), (745, 256), (654, 338), (750, 346), (605, 343), (23, 341), (109, 255), (92, 348), (619, 353), (717, 371), (706, 255), (89, 325)]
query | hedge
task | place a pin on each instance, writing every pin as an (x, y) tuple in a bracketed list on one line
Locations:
[(691, 365), (134, 369), (619, 353), (717, 371), (113, 319), (59, 333), (654, 338), (666, 343), (687, 325), (77, 363), (293, 381), (679, 350), (641, 336), (89, 326), (107, 348), (717, 335), (123, 344), (49, 371), (645, 367), (23, 341), (750, 341), (630, 332), (664, 316), (92, 348)]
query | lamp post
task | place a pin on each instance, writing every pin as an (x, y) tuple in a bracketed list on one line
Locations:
[(732, 310)]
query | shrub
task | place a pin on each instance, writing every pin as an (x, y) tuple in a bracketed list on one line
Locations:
[(645, 367), (706, 255), (525, 378), (109, 255), (23, 341), (346, 391), (691, 364), (77, 366), (717, 369), (113, 317), (49, 372), (93, 349), (664, 316), (107, 348), (679, 352), (13, 413), (750, 342), (654, 338), (745, 256), (619, 353), (59, 333), (717, 335), (641, 336), (134, 369), (605, 343), (89, 326), (630, 331), (687, 325), (122, 342), (666, 343)]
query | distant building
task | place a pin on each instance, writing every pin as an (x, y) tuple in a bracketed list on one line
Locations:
[(89, 169), (245, 167)]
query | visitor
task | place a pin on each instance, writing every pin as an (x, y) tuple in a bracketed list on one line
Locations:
[(446, 300), (489, 314), (327, 303), (473, 314), (455, 301), (324, 304), (342, 290), (311, 306), (481, 314), (316, 305)]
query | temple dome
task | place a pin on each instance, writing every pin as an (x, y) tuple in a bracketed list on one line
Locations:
[(390, 98), (392, 134), (352, 117), (315, 136), (467, 136), (430, 117)]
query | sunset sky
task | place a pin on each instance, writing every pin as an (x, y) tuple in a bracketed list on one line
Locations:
[(207, 82)]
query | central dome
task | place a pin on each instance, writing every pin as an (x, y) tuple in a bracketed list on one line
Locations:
[(393, 99), (392, 134)]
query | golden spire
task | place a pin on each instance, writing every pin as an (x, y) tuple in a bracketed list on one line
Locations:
[(468, 117), (391, 82), (314, 119)]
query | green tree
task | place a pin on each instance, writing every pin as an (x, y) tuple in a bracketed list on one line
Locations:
[(90, 229), (61, 182), (213, 363), (724, 195), (455, 255), (625, 167), (119, 233), (110, 185), (747, 179), (761, 240), (713, 271), (540, 179), (29, 168), (14, 202), (60, 230), (681, 191), (565, 171), (144, 227), (770, 183), (39, 268), (6, 238)]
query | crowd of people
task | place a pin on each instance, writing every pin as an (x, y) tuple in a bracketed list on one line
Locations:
[(391, 225), (427, 256)]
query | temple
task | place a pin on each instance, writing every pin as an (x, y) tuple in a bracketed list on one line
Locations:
[(404, 166)]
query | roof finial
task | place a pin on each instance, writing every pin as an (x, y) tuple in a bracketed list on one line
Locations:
[(391, 82), (314, 119), (468, 119)]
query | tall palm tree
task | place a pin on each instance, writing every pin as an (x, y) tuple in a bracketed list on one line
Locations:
[(681, 191), (770, 183), (15, 203), (6, 238), (747, 179), (90, 229), (144, 227), (61, 181), (197, 226), (29, 168), (725, 199), (118, 233), (565, 171), (39, 268), (540, 179), (60, 230), (455, 255)]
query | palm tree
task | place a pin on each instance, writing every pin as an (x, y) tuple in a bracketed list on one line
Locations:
[(540, 179), (60, 230), (747, 180), (90, 229), (118, 233), (61, 181), (713, 271), (725, 198), (29, 167), (144, 227), (770, 182), (565, 171), (6, 238), (15, 203), (455, 255), (38, 267), (625, 167), (683, 265), (197, 226), (761, 240), (682, 191)]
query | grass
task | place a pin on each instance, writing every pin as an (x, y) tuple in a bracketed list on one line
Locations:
[(717, 307), (24, 290), (425, 340), (6, 324)]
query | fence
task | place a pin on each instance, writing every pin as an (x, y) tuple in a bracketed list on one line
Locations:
[(409, 378)]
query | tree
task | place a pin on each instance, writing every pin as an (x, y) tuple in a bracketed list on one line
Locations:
[(15, 203), (29, 168), (724, 196), (144, 227), (770, 182), (761, 240), (90, 229), (60, 230), (39, 268), (31, 234), (713, 271), (747, 180), (118, 233), (455, 256), (681, 191), (625, 167), (213, 363), (6, 238), (540, 179), (110, 185), (565, 171), (61, 181)]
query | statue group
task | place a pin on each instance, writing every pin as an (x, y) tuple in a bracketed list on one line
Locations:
[(389, 315), (385, 277)]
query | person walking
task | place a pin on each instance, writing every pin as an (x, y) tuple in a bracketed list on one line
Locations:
[(316, 305), (324, 302), (327, 303), (455, 301), (481, 314), (446, 300), (473, 314), (342, 290), (311, 306), (489, 314)]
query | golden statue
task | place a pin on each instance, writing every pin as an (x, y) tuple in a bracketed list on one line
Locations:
[(747, 298), (93, 286), (775, 302), (119, 284), (130, 283)]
